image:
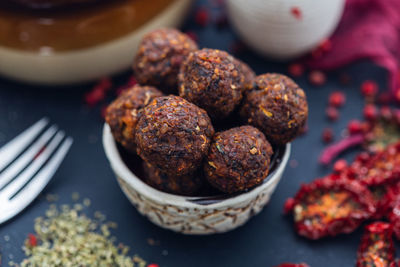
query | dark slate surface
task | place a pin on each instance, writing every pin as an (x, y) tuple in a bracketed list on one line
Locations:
[(266, 240)]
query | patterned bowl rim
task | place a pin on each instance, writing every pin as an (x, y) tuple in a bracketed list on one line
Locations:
[(123, 172)]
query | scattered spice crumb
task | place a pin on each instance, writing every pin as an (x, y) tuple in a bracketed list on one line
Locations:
[(327, 135), (369, 88), (153, 242), (332, 113), (337, 99), (52, 197), (201, 17), (339, 165), (296, 69), (370, 112), (86, 202), (296, 12), (317, 78), (354, 127)]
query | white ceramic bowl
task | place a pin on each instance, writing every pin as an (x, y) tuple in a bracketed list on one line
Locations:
[(191, 215), (270, 28), (54, 68)]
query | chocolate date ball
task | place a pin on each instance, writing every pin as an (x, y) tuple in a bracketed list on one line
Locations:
[(159, 58), (213, 80), (173, 135), (277, 106), (238, 159), (123, 113), (188, 184)]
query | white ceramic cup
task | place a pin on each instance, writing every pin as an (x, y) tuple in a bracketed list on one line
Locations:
[(270, 27), (191, 215)]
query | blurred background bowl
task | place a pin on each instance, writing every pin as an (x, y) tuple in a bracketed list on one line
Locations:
[(44, 65), (284, 29)]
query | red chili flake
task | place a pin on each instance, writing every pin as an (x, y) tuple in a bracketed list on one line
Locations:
[(153, 265), (325, 45), (94, 97), (296, 69), (376, 248), (332, 113), (289, 205), (327, 135), (132, 81), (293, 265), (317, 78), (296, 12), (354, 127), (32, 240), (384, 98), (105, 83), (369, 88), (370, 112), (330, 206), (340, 165), (201, 17), (192, 35), (337, 99)]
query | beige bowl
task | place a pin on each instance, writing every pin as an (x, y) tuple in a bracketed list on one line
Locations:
[(55, 68), (191, 215)]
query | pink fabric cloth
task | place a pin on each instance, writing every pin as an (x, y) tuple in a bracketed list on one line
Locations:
[(369, 29)]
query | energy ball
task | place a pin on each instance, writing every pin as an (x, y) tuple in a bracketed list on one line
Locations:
[(248, 74), (159, 58), (238, 159), (173, 135), (122, 114), (277, 106), (188, 184), (212, 79)]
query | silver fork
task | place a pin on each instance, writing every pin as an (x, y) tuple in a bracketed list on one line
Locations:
[(27, 163)]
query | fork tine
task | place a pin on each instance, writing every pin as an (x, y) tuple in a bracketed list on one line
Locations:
[(25, 158), (9, 151), (27, 174), (41, 179)]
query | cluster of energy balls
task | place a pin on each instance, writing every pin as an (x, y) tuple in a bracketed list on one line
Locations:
[(175, 136)]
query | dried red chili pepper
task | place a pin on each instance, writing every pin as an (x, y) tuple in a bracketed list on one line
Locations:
[(330, 206), (293, 265), (32, 240), (380, 168), (376, 248)]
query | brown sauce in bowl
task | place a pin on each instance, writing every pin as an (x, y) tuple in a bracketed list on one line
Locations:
[(74, 28)]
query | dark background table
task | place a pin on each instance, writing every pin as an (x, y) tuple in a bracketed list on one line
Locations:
[(266, 240)]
